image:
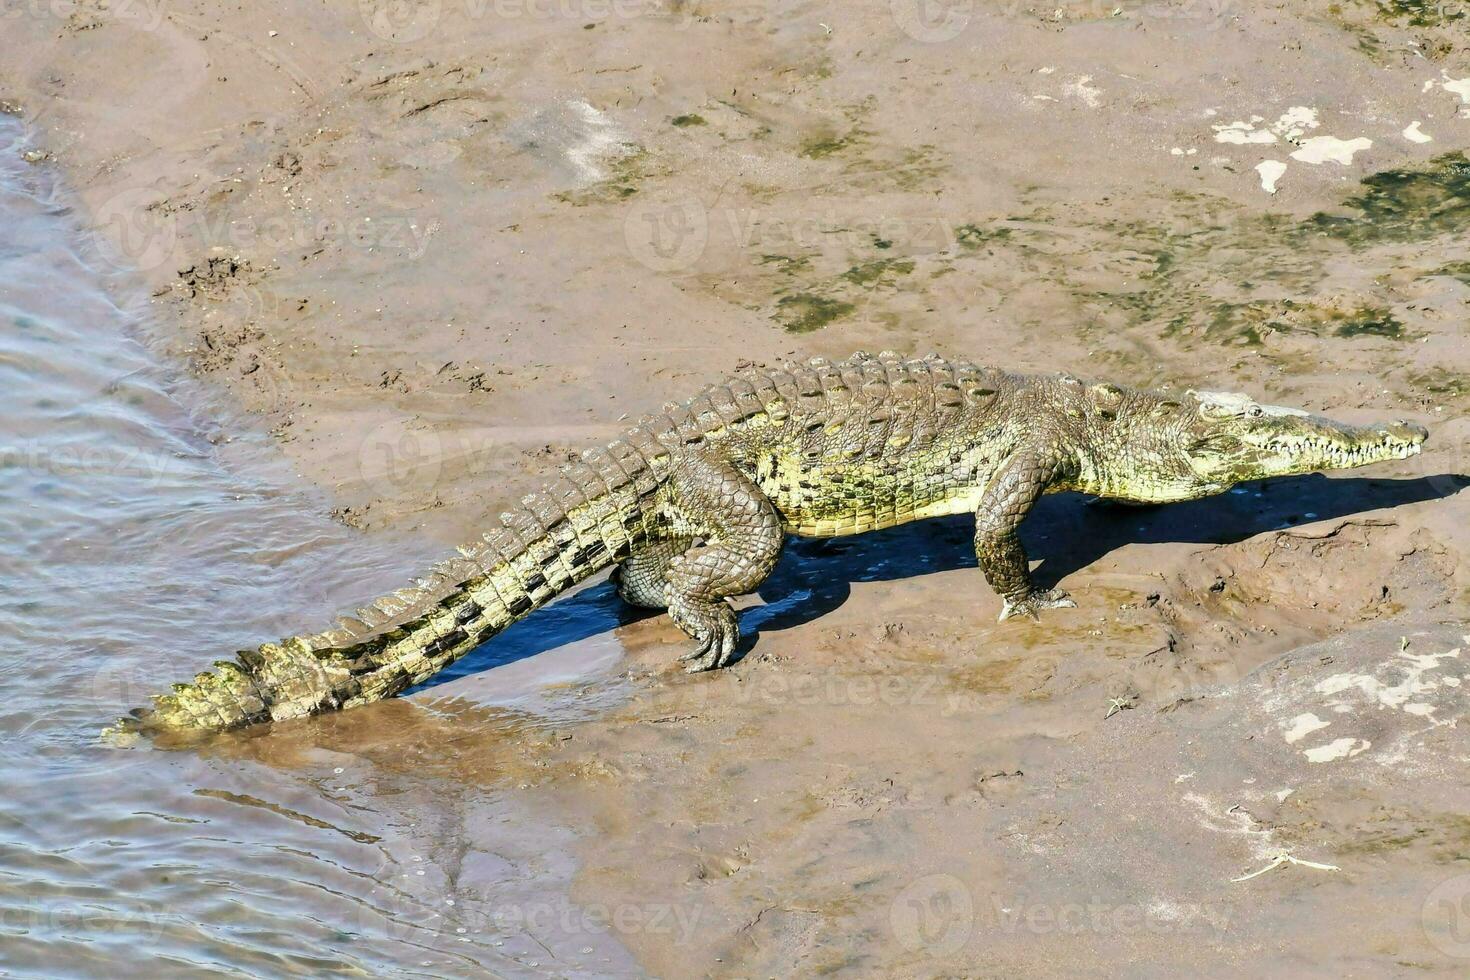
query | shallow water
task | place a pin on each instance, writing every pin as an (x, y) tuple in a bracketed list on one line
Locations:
[(138, 543)]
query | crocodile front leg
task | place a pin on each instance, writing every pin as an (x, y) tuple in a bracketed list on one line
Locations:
[(998, 548), (741, 540), (643, 580)]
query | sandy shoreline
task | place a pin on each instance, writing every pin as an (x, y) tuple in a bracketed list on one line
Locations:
[(439, 246)]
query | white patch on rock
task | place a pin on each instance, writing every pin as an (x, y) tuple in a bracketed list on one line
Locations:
[(1282, 794), (1295, 121), (1413, 134), (1081, 89), (1271, 171), (1322, 149), (1302, 726), (1413, 685), (600, 140), (1234, 821), (1457, 86), (1342, 748), (1241, 132), (1290, 125)]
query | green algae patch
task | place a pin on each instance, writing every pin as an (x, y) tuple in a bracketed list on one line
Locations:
[(788, 265), (1455, 270), (1421, 13), (1404, 205), (805, 312), (624, 173), (1438, 381), (880, 272), (1339, 318), (1372, 323), (974, 236), (825, 146), (689, 119)]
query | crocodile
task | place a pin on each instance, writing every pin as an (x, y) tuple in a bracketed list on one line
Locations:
[(691, 507)]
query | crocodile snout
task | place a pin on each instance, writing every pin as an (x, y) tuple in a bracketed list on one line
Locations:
[(1403, 431)]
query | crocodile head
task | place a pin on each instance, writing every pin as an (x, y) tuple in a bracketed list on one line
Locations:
[(1160, 449)]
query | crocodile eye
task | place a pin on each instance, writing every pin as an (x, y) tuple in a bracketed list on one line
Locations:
[(1256, 411)]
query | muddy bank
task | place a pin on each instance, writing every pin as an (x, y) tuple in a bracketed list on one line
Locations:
[(438, 247)]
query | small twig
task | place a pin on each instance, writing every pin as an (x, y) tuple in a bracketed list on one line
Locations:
[(1116, 705), (1283, 858)]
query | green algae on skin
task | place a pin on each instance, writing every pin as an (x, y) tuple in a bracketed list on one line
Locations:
[(806, 312)]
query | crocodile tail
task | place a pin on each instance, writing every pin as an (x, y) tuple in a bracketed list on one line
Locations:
[(591, 518)]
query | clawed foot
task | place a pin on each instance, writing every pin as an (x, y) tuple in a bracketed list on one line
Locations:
[(1031, 605), (717, 637)]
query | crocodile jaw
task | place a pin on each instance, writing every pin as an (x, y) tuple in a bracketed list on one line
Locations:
[(1287, 445)]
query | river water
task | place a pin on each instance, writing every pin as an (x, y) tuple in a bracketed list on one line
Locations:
[(144, 533)]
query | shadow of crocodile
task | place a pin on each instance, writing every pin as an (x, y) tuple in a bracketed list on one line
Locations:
[(815, 576)]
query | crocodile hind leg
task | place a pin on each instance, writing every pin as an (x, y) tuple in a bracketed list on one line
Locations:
[(998, 548), (740, 541), (643, 579)]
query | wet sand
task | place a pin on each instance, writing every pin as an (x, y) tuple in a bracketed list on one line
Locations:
[(436, 247)]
